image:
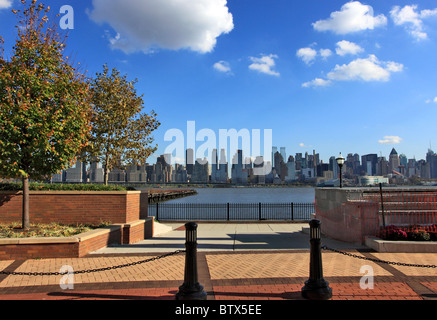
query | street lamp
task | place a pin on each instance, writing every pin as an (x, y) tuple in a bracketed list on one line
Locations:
[(340, 162)]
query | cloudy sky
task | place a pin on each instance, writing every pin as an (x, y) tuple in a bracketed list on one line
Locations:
[(333, 76)]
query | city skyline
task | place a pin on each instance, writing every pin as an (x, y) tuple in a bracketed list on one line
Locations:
[(359, 170), (327, 75)]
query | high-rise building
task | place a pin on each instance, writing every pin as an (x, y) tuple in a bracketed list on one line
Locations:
[(298, 160), (274, 150), (368, 164), (382, 166), (77, 174), (222, 173), (96, 172), (136, 174), (200, 171), (214, 166), (393, 161), (189, 160), (431, 159), (117, 175), (239, 174), (283, 153), (291, 170)]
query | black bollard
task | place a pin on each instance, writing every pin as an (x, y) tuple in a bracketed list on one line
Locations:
[(316, 288), (191, 289)]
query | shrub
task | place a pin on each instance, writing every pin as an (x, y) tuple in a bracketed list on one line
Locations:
[(34, 186), (418, 235), (393, 233)]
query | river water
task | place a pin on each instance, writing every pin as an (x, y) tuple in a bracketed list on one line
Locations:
[(250, 195)]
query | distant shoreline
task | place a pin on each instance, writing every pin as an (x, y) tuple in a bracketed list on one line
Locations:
[(219, 186)]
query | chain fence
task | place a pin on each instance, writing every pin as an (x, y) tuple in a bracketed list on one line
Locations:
[(91, 270), (182, 251), (379, 260)]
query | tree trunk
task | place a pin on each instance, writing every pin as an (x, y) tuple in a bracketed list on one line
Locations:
[(105, 178), (106, 170), (25, 216)]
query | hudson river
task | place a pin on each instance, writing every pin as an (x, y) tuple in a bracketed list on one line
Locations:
[(250, 195)]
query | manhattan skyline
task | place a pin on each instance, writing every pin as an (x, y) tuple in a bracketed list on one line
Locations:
[(334, 76)]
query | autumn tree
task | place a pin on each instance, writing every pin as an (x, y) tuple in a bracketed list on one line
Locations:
[(121, 130), (45, 110)]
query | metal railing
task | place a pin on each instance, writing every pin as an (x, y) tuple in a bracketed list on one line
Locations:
[(231, 211)]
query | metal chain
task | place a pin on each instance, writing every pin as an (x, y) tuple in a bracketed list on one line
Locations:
[(380, 261), (91, 270)]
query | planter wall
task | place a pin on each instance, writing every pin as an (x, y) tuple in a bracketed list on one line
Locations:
[(75, 246), (75, 207), (350, 214), (380, 245)]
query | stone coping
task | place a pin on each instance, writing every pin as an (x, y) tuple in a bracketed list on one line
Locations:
[(380, 245)]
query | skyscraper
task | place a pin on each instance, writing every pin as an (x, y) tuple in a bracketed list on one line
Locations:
[(274, 150), (393, 161), (283, 154), (431, 159), (368, 163), (189, 160)]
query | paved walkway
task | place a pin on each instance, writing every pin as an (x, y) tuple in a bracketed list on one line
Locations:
[(235, 261)]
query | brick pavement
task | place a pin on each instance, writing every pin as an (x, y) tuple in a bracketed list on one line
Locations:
[(248, 275)]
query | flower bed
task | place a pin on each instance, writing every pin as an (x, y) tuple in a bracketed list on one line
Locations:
[(410, 233), (14, 230)]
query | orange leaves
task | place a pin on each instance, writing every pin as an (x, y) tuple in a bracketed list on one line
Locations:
[(45, 113)]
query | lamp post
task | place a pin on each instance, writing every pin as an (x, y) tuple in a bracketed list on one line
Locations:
[(340, 162)]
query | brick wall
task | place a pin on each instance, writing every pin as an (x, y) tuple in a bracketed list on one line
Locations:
[(133, 232), (34, 251), (107, 236), (75, 207), (72, 247)]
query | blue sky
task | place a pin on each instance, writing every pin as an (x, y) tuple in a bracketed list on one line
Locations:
[(333, 76)]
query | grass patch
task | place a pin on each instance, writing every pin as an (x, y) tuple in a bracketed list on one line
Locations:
[(14, 230)]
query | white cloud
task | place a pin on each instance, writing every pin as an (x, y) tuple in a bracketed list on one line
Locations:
[(303, 145), (369, 69), (345, 47), (306, 54), (325, 53), (222, 66), (412, 19), (318, 82), (5, 4), (390, 140), (352, 17), (264, 64), (143, 25), (433, 100)]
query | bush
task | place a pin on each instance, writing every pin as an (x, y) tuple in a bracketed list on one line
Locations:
[(418, 235), (411, 233), (393, 233), (34, 186)]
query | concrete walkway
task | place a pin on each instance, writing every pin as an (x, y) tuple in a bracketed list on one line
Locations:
[(229, 237)]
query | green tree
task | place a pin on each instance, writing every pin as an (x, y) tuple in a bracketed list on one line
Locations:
[(45, 109), (121, 132)]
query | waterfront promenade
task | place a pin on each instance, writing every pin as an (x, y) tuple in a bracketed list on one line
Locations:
[(264, 261)]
